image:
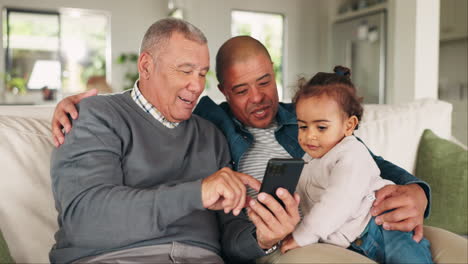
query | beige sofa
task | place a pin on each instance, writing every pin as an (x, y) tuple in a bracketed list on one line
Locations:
[(27, 212)]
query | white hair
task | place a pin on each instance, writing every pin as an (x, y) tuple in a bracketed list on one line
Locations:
[(160, 32)]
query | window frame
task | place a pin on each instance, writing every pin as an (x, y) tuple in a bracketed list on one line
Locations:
[(283, 46), (8, 49)]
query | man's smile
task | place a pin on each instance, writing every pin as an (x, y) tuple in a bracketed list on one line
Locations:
[(261, 112), (186, 101)]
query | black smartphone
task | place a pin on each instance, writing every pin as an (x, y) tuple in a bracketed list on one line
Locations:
[(283, 173)]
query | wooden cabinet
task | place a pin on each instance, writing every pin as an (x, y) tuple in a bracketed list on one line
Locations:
[(453, 19)]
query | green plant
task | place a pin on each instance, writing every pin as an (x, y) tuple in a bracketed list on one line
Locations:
[(129, 61), (211, 81), (15, 85), (96, 67)]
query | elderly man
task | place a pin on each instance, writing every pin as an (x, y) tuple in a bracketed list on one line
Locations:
[(138, 176), (258, 127)]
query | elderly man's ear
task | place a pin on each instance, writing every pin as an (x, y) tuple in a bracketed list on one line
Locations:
[(145, 65)]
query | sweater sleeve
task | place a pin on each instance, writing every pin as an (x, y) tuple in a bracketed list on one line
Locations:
[(400, 176), (96, 208), (349, 181)]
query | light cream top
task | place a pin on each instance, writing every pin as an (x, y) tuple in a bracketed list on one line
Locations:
[(337, 192)]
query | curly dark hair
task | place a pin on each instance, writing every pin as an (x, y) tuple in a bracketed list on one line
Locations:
[(336, 85)]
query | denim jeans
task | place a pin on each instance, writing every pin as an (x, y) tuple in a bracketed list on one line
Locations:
[(385, 246)]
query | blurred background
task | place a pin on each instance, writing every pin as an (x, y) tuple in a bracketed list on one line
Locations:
[(398, 50)]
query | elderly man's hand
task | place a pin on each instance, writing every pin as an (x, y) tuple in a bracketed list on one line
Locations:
[(408, 203), (225, 189), (274, 222), (60, 119)]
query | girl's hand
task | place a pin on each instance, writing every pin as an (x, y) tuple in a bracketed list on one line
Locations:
[(288, 244)]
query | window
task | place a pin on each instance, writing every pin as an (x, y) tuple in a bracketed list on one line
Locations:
[(58, 50), (267, 28), (84, 42), (32, 46)]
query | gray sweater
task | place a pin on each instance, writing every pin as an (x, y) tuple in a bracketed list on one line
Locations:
[(123, 180)]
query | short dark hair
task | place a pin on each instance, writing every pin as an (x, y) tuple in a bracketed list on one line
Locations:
[(336, 85), (236, 49)]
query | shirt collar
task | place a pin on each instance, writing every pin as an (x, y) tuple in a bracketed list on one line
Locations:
[(286, 117), (141, 101)]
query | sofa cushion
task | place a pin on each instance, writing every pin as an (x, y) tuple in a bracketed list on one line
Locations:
[(394, 131), (41, 112), (28, 218), (444, 166)]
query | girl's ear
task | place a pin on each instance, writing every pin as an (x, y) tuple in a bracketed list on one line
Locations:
[(350, 125)]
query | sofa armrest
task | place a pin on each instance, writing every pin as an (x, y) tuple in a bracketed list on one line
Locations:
[(41, 112)]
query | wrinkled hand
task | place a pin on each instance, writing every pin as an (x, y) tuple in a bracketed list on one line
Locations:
[(408, 203), (288, 244), (225, 189), (273, 222), (60, 119)]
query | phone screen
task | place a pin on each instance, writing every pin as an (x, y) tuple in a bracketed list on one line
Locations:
[(283, 173)]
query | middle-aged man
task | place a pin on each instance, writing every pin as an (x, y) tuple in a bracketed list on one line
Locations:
[(139, 177), (261, 128), (257, 128)]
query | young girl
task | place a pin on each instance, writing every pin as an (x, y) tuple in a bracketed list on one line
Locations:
[(338, 183)]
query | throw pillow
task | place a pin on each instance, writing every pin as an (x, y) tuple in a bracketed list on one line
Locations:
[(444, 166), (4, 252)]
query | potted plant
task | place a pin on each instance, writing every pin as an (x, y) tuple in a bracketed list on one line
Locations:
[(15, 85), (129, 61)]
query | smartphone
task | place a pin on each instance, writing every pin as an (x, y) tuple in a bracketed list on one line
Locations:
[(283, 173)]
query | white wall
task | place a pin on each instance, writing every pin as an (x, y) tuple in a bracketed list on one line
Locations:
[(327, 14), (427, 49), (129, 20), (413, 50), (400, 51)]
